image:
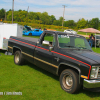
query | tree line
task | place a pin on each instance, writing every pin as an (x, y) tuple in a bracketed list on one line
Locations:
[(44, 18)]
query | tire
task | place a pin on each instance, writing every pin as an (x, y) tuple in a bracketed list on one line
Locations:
[(30, 34), (18, 59), (69, 81)]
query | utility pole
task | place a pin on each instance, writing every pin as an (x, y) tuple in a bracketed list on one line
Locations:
[(63, 16), (27, 11), (12, 9)]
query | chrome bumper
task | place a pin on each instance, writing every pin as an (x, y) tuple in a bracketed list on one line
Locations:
[(91, 83)]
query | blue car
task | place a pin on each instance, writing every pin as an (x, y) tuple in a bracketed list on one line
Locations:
[(29, 32)]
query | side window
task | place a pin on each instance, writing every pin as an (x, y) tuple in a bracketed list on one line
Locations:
[(37, 30), (63, 41), (49, 38)]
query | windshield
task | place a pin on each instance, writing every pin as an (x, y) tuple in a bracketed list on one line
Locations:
[(71, 41)]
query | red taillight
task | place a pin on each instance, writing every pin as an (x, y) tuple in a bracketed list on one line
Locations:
[(4, 38)]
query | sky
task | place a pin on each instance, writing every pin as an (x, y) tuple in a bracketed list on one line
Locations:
[(74, 9)]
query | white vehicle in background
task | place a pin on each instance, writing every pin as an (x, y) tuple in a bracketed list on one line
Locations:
[(70, 31), (7, 30)]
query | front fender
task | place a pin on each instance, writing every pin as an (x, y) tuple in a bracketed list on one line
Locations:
[(72, 66), (69, 66)]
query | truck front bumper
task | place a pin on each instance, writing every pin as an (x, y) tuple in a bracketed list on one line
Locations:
[(91, 83)]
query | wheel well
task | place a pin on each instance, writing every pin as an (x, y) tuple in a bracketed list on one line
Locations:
[(63, 67), (15, 49)]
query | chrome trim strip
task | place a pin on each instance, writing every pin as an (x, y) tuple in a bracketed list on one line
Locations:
[(9, 47), (27, 54), (46, 62)]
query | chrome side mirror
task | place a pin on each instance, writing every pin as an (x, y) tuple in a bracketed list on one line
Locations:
[(45, 43)]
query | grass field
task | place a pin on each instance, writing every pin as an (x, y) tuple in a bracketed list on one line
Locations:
[(34, 83)]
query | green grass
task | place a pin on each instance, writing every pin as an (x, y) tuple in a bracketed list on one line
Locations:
[(34, 83), (84, 33), (97, 49)]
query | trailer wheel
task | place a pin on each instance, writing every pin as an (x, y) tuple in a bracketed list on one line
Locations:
[(18, 59), (69, 81), (30, 34)]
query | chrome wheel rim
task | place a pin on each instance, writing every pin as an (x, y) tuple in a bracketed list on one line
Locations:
[(67, 81), (16, 58)]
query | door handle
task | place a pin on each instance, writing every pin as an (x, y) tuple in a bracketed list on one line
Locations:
[(57, 59)]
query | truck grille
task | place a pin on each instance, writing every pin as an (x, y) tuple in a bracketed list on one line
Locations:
[(98, 73)]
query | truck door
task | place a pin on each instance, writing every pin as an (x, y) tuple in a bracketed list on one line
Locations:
[(43, 57)]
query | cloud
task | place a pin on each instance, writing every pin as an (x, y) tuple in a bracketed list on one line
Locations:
[(75, 9), (64, 2)]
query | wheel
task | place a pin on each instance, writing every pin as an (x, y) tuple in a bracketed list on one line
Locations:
[(18, 60), (30, 34), (69, 81)]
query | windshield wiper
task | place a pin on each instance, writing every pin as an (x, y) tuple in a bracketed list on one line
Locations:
[(68, 46), (79, 48), (83, 48)]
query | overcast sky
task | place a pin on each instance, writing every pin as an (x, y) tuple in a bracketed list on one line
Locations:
[(75, 10)]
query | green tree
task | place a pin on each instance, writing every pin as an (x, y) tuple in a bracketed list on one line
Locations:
[(33, 15), (2, 14), (45, 18), (58, 22), (82, 23), (52, 18), (70, 24), (9, 15), (94, 23)]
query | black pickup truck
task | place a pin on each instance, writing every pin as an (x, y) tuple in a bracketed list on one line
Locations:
[(64, 54)]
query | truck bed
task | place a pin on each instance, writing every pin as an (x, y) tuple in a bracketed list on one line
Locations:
[(27, 38), (25, 44)]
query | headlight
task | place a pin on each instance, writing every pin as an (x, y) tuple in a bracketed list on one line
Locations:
[(94, 72)]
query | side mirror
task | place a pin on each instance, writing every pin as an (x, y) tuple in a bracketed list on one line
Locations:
[(45, 43)]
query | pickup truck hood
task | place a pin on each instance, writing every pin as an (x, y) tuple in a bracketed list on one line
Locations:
[(91, 57)]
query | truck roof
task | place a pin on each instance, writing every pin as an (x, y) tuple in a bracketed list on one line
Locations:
[(59, 32)]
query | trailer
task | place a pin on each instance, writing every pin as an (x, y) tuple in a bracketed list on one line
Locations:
[(7, 30)]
